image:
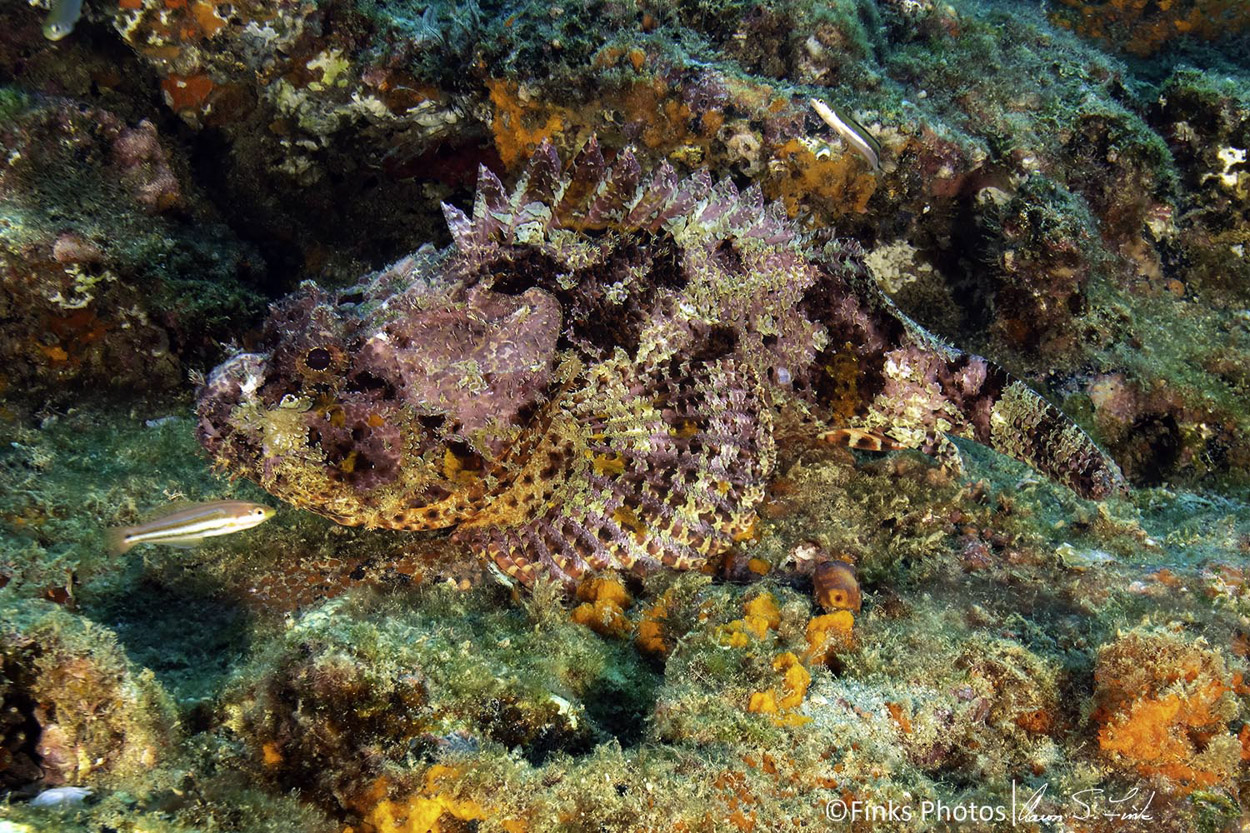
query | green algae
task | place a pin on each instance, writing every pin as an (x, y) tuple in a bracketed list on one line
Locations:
[(524, 39), (182, 626), (516, 677), (13, 102), (548, 720), (89, 468)]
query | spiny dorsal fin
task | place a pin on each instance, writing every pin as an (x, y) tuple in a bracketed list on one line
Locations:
[(615, 191)]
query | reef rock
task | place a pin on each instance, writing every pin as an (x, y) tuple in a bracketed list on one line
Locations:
[(595, 375), (114, 269)]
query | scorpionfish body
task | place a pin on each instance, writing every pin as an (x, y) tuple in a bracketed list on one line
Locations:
[(595, 373)]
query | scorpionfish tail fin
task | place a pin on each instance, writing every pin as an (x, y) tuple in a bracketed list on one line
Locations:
[(1007, 415)]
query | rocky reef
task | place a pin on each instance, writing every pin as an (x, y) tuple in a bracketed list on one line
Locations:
[(116, 271), (625, 477)]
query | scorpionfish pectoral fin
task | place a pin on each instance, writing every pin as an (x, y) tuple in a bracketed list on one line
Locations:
[(640, 468)]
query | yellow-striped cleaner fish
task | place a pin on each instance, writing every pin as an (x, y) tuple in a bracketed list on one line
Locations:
[(187, 526)]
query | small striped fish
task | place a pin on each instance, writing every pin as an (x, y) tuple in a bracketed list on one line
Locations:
[(854, 133), (188, 525)]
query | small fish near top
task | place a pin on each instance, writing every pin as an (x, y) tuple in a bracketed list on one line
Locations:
[(187, 526), (851, 131), (61, 18)]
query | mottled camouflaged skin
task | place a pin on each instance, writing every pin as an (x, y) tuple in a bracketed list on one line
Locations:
[(592, 375)]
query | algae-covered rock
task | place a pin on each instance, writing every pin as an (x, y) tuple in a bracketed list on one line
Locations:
[(363, 688), (1168, 706), (114, 270), (76, 711)]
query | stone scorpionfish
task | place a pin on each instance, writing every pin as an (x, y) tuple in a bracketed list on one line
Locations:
[(595, 375)]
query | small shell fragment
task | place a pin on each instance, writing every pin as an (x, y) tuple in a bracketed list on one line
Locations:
[(61, 797)]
